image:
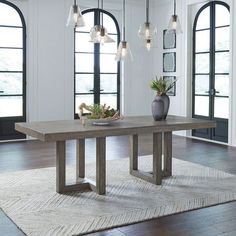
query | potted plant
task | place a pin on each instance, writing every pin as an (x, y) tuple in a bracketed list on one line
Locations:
[(161, 103)]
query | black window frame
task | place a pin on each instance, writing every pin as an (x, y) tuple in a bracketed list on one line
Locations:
[(209, 133), (97, 12), (9, 121)]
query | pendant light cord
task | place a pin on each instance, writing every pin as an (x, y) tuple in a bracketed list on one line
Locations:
[(147, 11), (102, 13), (123, 20), (174, 7), (74, 2)]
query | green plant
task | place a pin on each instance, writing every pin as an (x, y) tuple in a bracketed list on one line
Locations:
[(161, 86)]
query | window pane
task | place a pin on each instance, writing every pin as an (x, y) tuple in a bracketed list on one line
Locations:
[(222, 85), (221, 107), (9, 16), (202, 63), (82, 43), (84, 83), (11, 106), (109, 24), (109, 100), (203, 20), (203, 41), (87, 99), (12, 37), (222, 15), (109, 47), (11, 83), (84, 62), (222, 38), (222, 62), (201, 84), (201, 106), (109, 83), (89, 22), (108, 64), (11, 59)]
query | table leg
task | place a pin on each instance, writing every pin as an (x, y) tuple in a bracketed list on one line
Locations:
[(133, 153), (101, 165), (60, 166), (157, 158), (167, 154), (61, 186), (80, 158)]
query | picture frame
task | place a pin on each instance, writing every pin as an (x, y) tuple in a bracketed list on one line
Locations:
[(169, 39), (171, 92), (169, 62)]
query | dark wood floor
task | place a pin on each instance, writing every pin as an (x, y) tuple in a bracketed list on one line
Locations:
[(218, 220)]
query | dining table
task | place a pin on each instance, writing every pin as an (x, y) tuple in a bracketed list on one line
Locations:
[(59, 131)]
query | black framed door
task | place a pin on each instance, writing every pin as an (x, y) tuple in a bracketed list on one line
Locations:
[(211, 67), (97, 74), (12, 70)]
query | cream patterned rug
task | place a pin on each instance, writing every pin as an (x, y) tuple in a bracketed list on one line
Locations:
[(30, 200)]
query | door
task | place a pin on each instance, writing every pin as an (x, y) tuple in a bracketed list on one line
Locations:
[(211, 67), (97, 74), (12, 70)]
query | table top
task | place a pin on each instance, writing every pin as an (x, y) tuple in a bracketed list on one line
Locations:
[(48, 131)]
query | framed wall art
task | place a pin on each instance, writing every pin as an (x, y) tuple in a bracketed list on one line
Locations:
[(169, 62), (171, 79), (169, 39)]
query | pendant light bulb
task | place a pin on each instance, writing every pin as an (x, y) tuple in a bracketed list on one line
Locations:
[(174, 23), (148, 44), (123, 52), (75, 18)]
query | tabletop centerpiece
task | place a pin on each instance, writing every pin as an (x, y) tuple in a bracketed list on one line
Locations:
[(99, 114), (161, 103)]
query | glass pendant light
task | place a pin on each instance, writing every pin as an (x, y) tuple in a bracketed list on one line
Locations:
[(75, 17), (147, 31), (98, 33), (123, 52), (174, 23)]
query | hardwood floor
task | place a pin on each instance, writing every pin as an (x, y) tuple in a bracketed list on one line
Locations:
[(218, 220)]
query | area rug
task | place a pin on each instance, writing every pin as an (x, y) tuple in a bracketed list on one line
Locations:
[(30, 200)]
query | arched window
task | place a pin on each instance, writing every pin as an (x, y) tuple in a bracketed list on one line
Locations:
[(211, 68), (12, 69), (97, 74)]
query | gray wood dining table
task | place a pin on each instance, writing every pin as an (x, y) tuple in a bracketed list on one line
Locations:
[(60, 131)]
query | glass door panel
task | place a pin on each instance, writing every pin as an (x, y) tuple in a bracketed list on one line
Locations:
[(222, 85), (222, 62), (203, 41), (11, 106), (202, 84), (222, 39), (202, 62), (108, 63), (222, 15), (204, 19), (84, 83), (108, 83), (201, 106), (221, 107)]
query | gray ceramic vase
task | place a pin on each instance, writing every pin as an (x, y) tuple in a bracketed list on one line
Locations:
[(160, 107)]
